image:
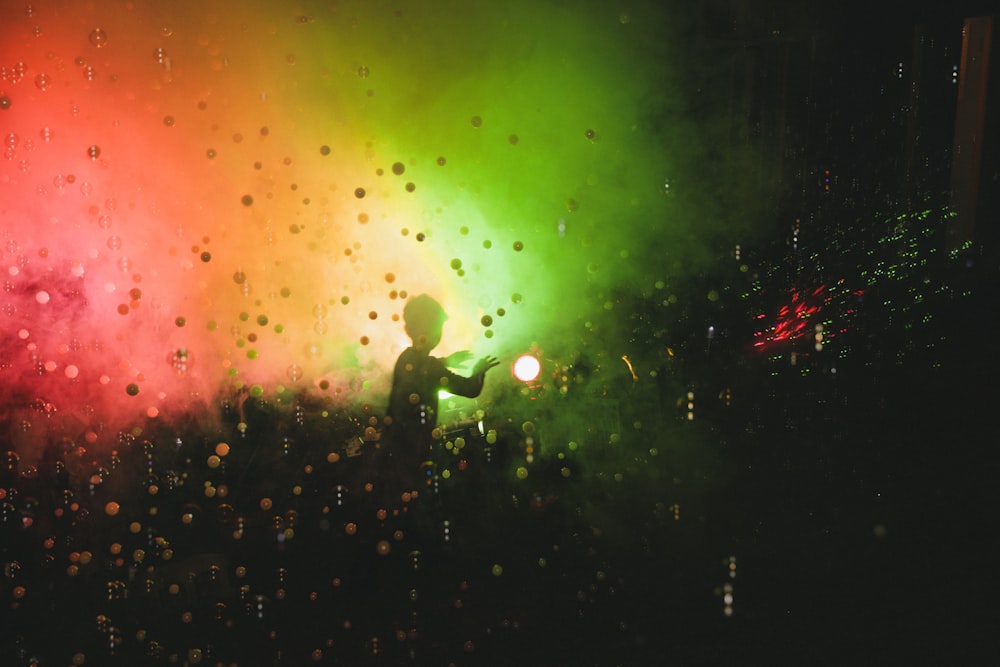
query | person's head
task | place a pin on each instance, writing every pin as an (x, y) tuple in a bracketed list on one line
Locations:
[(424, 319)]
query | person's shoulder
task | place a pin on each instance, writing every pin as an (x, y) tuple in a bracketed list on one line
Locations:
[(411, 356), (408, 352), (433, 365), (405, 357)]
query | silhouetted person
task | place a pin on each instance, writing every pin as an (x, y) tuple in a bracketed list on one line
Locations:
[(417, 379)]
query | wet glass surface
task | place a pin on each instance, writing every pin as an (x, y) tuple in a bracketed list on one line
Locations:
[(735, 262)]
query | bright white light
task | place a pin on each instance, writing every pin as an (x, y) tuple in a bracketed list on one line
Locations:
[(526, 368)]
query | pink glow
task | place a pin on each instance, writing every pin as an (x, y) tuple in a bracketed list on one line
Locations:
[(174, 223)]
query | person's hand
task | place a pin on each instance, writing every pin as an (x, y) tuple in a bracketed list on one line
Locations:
[(484, 364), (458, 359)]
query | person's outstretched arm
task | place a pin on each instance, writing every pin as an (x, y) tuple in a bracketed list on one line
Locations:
[(471, 386)]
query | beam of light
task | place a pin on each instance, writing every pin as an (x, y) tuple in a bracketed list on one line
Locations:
[(208, 199), (526, 368)]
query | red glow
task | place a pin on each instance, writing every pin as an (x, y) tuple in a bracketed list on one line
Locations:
[(167, 235), (795, 319)]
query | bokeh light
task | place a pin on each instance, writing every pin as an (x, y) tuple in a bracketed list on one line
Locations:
[(213, 214), (526, 368)]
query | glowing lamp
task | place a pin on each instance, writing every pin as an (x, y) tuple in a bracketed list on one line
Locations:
[(526, 368)]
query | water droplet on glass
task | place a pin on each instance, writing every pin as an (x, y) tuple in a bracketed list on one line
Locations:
[(363, 72), (43, 81), (98, 38), (94, 152)]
